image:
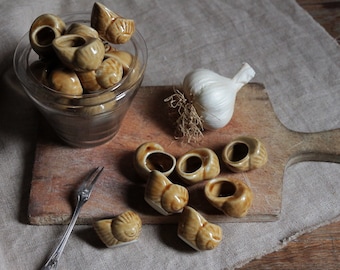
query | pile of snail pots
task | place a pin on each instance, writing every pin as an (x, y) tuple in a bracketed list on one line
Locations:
[(81, 59), (231, 196)]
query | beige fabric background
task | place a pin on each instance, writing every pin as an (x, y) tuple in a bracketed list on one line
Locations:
[(293, 56)]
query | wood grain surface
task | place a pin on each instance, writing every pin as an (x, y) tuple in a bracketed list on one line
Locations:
[(319, 249), (120, 188)]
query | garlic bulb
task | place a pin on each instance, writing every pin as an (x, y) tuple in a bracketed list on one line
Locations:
[(213, 95)]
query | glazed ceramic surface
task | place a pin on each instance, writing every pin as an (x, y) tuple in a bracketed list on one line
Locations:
[(244, 154), (197, 232), (232, 196), (90, 118), (43, 31), (164, 196), (82, 30), (120, 230), (197, 165), (110, 25), (151, 156), (79, 53)]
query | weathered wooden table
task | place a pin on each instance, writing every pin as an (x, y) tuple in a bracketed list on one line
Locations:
[(319, 249)]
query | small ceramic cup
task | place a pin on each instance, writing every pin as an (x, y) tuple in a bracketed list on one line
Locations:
[(197, 165), (151, 156), (43, 31), (244, 154), (80, 53), (232, 196)]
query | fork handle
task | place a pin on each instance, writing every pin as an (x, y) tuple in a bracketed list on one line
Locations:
[(52, 262)]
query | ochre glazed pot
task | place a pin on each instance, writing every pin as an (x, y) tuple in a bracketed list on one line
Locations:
[(232, 196)]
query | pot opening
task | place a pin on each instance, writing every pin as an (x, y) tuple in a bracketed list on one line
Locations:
[(238, 151), (45, 36), (225, 189), (160, 162), (192, 164)]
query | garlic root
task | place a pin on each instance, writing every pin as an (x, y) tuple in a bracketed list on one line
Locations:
[(188, 124)]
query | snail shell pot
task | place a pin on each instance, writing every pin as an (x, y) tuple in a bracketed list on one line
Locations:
[(197, 165), (107, 75), (82, 30), (232, 196), (151, 156), (80, 53), (123, 57), (122, 229), (244, 154), (65, 81), (110, 25), (197, 232), (164, 196), (43, 31)]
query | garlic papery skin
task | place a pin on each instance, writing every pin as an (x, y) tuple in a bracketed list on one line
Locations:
[(213, 95)]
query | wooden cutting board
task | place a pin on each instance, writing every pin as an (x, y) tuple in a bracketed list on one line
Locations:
[(59, 169)]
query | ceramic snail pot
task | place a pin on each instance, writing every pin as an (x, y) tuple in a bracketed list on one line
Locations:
[(164, 196), (197, 232), (197, 165), (123, 57), (232, 196), (80, 53), (110, 25), (109, 73), (82, 30), (151, 156), (244, 154), (121, 230), (127, 60), (65, 81), (43, 31)]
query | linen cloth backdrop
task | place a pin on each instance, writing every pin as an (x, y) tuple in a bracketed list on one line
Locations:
[(293, 56)]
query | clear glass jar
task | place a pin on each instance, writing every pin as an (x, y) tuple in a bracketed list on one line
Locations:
[(91, 119)]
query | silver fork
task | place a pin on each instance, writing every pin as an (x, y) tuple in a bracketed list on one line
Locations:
[(83, 194)]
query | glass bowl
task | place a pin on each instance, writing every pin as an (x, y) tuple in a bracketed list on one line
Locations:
[(90, 119)]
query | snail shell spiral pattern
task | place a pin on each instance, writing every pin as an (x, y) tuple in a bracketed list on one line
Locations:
[(80, 53), (197, 232), (232, 196), (123, 229), (126, 227), (164, 196), (111, 26), (244, 154)]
